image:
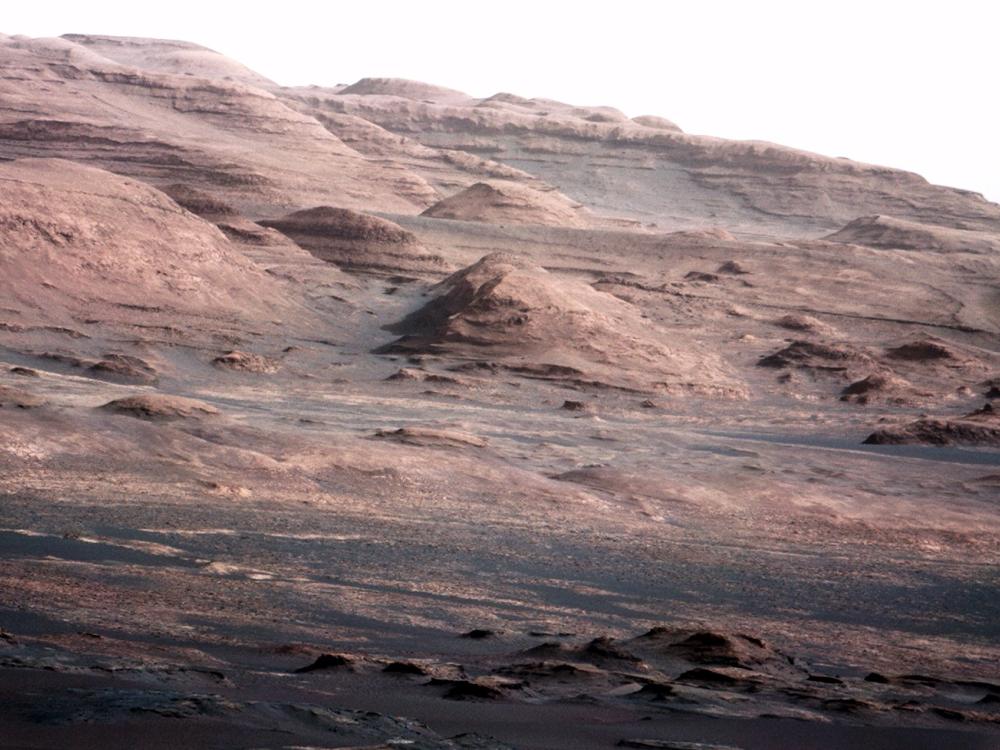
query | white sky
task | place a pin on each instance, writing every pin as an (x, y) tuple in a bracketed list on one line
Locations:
[(911, 85)]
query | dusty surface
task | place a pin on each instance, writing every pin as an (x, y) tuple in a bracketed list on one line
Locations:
[(290, 461)]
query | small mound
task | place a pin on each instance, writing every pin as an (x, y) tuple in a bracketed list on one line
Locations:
[(980, 427), (80, 243), (507, 98), (990, 386), (405, 668), (327, 661), (123, 368), (598, 114), (881, 386), (733, 267), (464, 690), (969, 430), (709, 648), (504, 307), (169, 56), (723, 678), (418, 375), (598, 652), (112, 367), (560, 671), (432, 437), (657, 123), (809, 354), (357, 241), (702, 276), (702, 235), (158, 407), (405, 89), (642, 482), (199, 202), (925, 350), (16, 398), (987, 413), (246, 362), (804, 323), (887, 232), (499, 202), (478, 634)]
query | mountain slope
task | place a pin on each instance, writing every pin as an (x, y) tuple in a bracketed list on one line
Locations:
[(61, 98)]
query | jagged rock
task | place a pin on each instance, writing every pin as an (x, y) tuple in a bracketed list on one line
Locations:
[(123, 368)]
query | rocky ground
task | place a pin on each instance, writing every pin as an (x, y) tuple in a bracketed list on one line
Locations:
[(383, 416)]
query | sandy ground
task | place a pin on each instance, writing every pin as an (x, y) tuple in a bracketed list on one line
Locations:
[(607, 487)]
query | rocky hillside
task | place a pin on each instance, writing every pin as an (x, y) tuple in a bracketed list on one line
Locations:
[(175, 112)]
